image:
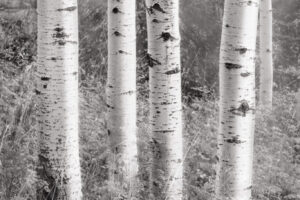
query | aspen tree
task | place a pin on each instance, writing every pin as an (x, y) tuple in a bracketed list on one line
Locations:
[(237, 100), (121, 95), (266, 65), (57, 92), (165, 98)]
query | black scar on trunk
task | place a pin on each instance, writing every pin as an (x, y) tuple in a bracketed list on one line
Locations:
[(37, 92), (242, 110), (246, 74), (234, 140), (44, 78), (72, 8), (59, 29), (117, 33), (59, 33), (123, 52), (60, 36), (166, 36), (109, 106), (173, 71), (116, 10), (241, 50), (232, 66), (158, 8), (151, 61), (155, 7), (165, 131), (131, 92)]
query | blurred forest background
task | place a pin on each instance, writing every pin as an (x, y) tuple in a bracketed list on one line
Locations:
[(277, 139)]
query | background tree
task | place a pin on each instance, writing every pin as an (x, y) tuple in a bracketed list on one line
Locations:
[(237, 100), (57, 91), (121, 95), (165, 98), (286, 44), (298, 101), (266, 53)]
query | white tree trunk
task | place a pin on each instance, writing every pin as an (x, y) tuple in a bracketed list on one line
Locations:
[(165, 98), (237, 100), (121, 95), (57, 91), (266, 65)]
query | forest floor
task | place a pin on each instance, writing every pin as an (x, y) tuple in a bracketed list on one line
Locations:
[(277, 136)]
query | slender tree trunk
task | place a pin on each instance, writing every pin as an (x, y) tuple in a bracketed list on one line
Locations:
[(298, 103), (165, 98), (57, 91), (266, 65), (121, 95), (237, 100)]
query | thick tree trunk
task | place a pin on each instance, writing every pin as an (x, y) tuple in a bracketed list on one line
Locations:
[(237, 100), (165, 98), (57, 91), (121, 95), (266, 65)]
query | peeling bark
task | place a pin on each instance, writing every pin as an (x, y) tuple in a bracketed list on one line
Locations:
[(121, 96), (58, 170), (165, 99), (237, 100), (266, 58)]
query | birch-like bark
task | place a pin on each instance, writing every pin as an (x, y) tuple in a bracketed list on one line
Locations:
[(266, 65), (57, 92), (237, 100), (121, 95), (165, 98)]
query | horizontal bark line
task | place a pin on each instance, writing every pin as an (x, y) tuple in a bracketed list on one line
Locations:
[(70, 9)]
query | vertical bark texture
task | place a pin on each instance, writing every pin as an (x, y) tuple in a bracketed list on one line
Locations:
[(237, 100), (121, 95), (57, 91), (165, 98), (298, 102), (266, 65)]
